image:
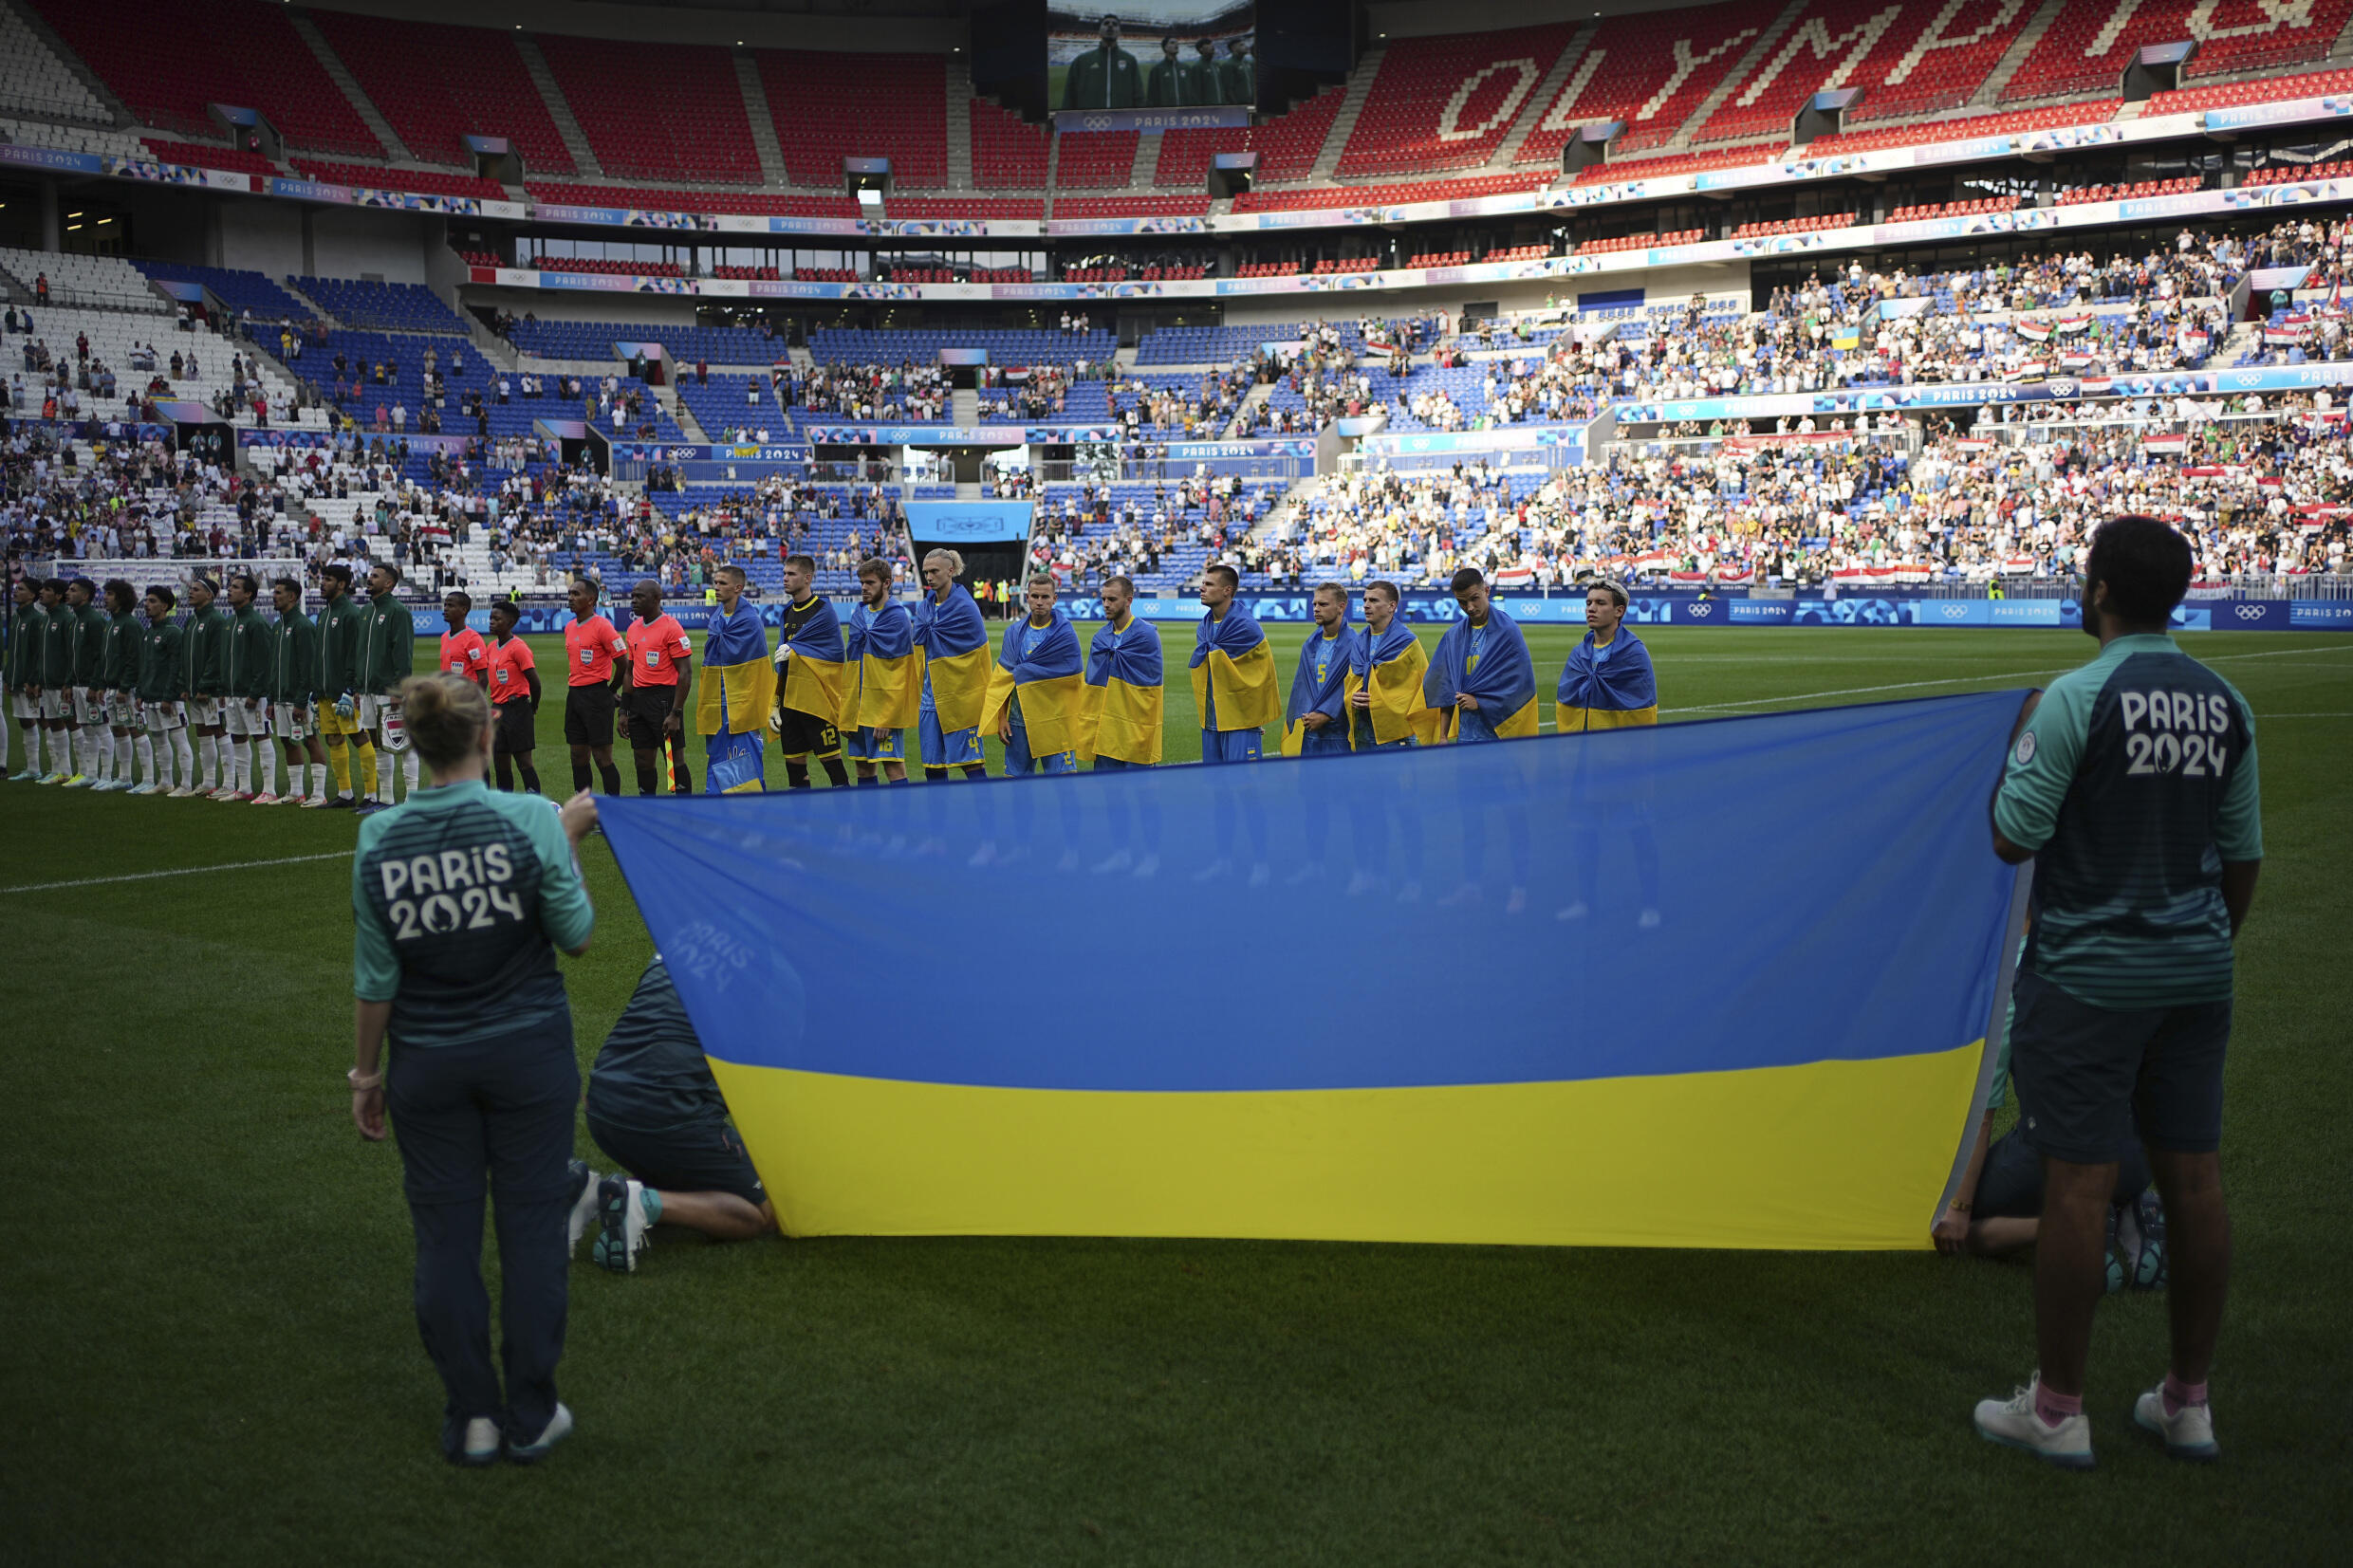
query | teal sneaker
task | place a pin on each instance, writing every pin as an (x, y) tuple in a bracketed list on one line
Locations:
[(624, 1211), (558, 1428)]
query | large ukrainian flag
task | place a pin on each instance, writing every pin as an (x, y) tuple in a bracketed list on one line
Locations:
[(1791, 1056)]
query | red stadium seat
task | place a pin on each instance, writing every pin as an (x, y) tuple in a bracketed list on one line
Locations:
[(1447, 103), (2237, 38), (1008, 150), (657, 111), (1094, 159), (831, 106), (440, 85), (1651, 71)]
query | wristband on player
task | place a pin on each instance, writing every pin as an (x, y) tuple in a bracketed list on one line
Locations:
[(362, 1082)]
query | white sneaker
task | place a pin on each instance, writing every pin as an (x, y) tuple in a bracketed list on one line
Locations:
[(621, 1220), (316, 803), (263, 799), (556, 1431), (482, 1442), (2189, 1433), (182, 793), (2014, 1424), (584, 1204)]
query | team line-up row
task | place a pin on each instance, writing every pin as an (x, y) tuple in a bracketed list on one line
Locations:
[(838, 692)]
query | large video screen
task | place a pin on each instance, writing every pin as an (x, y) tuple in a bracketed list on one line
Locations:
[(1151, 54)]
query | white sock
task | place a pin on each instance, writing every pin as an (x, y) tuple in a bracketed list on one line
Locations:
[(185, 756), (408, 767), (57, 753), (265, 765), (148, 756), (241, 769), (383, 775), (208, 757), (109, 748), (6, 728), (318, 780)]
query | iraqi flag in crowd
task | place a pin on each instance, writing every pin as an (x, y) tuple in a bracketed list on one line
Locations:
[(2017, 566), (2033, 332), (2079, 322), (2165, 446), (1515, 577), (2194, 341), (1735, 574), (2034, 370), (2096, 386)]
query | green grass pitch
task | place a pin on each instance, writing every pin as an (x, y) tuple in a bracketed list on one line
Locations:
[(209, 1356)]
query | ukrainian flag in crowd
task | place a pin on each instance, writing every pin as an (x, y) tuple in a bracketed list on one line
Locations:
[(1793, 1055), (732, 700), (952, 653)]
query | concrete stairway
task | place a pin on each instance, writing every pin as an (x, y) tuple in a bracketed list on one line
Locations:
[(964, 407), (773, 168), (1360, 88), (1147, 161), (959, 124), (340, 75), (2015, 56), (1738, 76), (1574, 61), (575, 140)]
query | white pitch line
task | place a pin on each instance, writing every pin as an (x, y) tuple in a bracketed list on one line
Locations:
[(183, 871), (1965, 680)]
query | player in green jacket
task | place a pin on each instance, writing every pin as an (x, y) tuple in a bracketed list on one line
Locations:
[(245, 707), (28, 632), (85, 701), (160, 682), (59, 633), (119, 673), (387, 656), (204, 665), (293, 671), (339, 621)]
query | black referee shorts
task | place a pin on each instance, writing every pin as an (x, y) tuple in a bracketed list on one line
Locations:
[(2086, 1076), (649, 708), (515, 733), (588, 715), (801, 734)]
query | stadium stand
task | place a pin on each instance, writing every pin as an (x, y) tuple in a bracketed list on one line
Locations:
[(73, 139), (607, 267), (1186, 156), (437, 84), (2269, 89), (1651, 71), (1853, 43), (891, 105), (34, 81), (759, 203), (241, 291), (2175, 187), (1094, 159), (1680, 163), (382, 306), (1008, 151), (1964, 127), (1131, 207), (1794, 226), (1014, 208), (921, 345), (656, 111), (2072, 57), (196, 155), (1294, 199), (424, 181), (244, 52), (100, 281), (1447, 103), (718, 345)]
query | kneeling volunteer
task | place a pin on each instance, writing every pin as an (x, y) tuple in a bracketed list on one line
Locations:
[(656, 1110)]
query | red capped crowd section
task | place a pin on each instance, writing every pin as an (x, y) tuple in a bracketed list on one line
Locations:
[(1441, 103), (167, 61), (657, 111), (437, 84), (2090, 41)]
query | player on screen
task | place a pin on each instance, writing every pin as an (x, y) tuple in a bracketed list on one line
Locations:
[(595, 665), (653, 713), (349, 753), (1124, 699), (385, 657), (293, 708), (514, 700), (245, 710), (1105, 77), (954, 642), (809, 653), (887, 695)]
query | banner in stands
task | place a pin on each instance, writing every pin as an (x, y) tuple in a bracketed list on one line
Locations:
[(1812, 607), (689, 452), (917, 436), (968, 522), (1815, 1093)]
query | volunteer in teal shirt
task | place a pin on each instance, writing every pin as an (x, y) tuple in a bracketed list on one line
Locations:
[(460, 896), (2132, 785)]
